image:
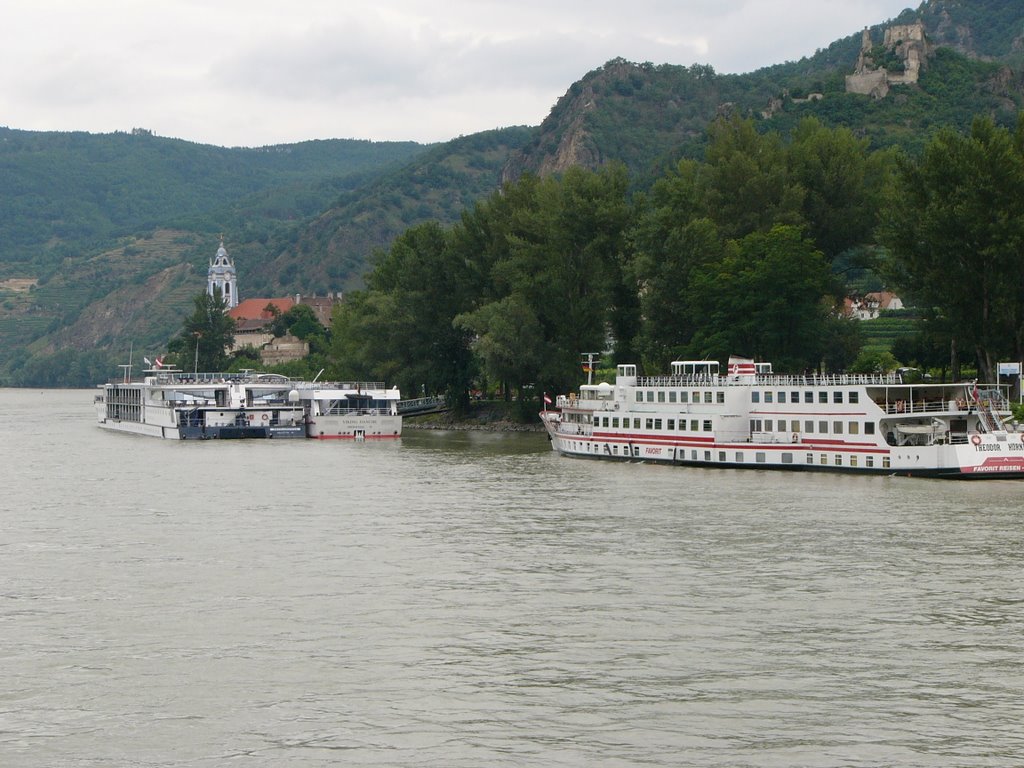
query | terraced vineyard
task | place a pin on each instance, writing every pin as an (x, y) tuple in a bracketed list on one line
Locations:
[(881, 333)]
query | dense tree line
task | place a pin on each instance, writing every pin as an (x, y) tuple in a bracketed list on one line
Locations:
[(732, 255)]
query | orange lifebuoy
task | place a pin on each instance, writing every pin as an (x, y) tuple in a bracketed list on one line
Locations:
[(976, 439), (265, 417)]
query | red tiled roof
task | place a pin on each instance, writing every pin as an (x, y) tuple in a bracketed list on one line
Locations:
[(256, 309)]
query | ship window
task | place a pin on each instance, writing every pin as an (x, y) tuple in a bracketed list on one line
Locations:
[(869, 427), (759, 457), (755, 397), (636, 423), (837, 427), (693, 455), (694, 425), (769, 397), (823, 397), (823, 427), (853, 428), (839, 460), (739, 456), (720, 397), (837, 397), (885, 462), (794, 425), (854, 397), (781, 397), (794, 397), (823, 458), (707, 425), (648, 423), (639, 396), (707, 397), (615, 422), (657, 423), (721, 455), (809, 427), (650, 396), (684, 397), (707, 455), (661, 396), (755, 425), (869, 461), (671, 425), (810, 458), (808, 397), (696, 397), (853, 461), (787, 458), (672, 396)]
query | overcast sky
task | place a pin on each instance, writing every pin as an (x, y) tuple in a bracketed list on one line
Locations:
[(252, 73)]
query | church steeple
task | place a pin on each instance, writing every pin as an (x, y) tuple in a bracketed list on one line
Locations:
[(222, 276)]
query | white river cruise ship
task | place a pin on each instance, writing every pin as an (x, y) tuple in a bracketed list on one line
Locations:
[(202, 406), (753, 418)]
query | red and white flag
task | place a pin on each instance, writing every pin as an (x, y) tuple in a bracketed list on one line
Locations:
[(159, 362), (547, 399)]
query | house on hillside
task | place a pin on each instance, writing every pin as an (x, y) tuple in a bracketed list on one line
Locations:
[(871, 305)]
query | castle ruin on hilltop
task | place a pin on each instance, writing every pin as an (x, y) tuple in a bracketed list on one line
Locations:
[(904, 52)]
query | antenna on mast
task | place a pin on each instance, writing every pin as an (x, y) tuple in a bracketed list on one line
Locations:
[(588, 365)]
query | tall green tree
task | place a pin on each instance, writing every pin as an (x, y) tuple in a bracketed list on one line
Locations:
[(842, 183), (414, 293), (746, 183), (566, 261), (206, 335), (770, 297), (955, 227)]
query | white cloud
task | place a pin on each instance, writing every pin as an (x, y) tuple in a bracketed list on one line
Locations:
[(259, 72)]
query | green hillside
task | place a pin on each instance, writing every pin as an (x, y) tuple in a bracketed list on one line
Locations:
[(85, 219)]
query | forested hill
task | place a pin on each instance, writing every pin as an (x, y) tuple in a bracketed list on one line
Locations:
[(62, 193), (87, 221), (648, 115)]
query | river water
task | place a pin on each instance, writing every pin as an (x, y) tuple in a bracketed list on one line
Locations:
[(471, 599)]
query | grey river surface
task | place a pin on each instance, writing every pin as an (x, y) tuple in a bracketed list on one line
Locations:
[(471, 599)]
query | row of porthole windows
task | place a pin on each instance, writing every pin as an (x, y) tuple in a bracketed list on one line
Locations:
[(760, 457), (655, 424), (678, 396), (810, 426)]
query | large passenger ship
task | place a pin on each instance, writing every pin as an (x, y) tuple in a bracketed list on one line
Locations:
[(175, 405), (753, 418)]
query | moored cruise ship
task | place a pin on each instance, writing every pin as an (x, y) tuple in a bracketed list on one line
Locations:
[(175, 405), (753, 418)]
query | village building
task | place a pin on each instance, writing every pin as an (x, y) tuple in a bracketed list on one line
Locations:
[(871, 305), (254, 318)]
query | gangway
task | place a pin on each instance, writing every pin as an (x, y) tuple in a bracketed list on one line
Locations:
[(422, 405)]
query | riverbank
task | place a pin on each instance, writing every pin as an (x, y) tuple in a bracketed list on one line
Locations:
[(487, 417)]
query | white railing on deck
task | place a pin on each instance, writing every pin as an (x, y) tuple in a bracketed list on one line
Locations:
[(774, 380)]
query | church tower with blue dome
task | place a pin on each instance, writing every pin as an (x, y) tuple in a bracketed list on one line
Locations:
[(222, 275)]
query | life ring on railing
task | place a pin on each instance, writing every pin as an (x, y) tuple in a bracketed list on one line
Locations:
[(796, 438), (266, 417), (976, 439)]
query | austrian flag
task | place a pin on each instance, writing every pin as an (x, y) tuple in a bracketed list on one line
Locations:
[(547, 399)]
